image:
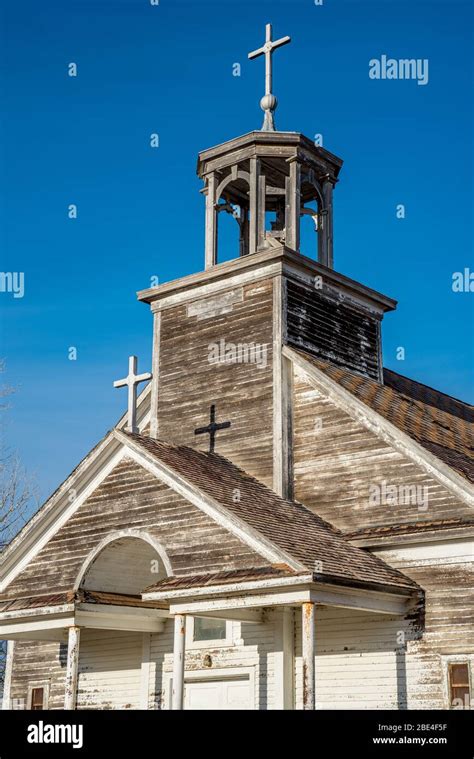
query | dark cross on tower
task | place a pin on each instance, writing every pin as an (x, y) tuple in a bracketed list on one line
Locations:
[(212, 428)]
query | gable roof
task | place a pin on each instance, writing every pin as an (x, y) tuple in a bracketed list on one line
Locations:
[(440, 424), (288, 525)]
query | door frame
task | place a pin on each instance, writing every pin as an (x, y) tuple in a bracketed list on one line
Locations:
[(208, 675)]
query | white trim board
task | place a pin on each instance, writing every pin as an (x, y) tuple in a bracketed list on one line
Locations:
[(384, 429), (87, 472), (208, 675), (59, 510)]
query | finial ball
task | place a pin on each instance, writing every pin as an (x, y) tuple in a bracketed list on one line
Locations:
[(268, 103)]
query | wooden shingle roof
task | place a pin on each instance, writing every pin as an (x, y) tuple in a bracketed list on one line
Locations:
[(441, 424), (289, 525)]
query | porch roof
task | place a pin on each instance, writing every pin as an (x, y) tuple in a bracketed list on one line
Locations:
[(73, 598)]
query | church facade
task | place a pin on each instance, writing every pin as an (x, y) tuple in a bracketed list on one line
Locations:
[(278, 522)]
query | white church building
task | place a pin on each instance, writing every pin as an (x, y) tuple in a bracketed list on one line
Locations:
[(277, 522)]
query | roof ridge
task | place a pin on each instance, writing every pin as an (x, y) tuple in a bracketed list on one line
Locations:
[(428, 387), (247, 476)]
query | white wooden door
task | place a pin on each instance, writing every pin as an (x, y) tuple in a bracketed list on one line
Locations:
[(218, 694)]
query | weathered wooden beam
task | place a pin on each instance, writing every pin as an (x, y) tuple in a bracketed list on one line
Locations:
[(325, 248), (72, 667), (293, 206), (179, 653), (253, 195), (7, 681), (211, 222), (255, 616), (308, 650), (282, 397), (283, 659), (154, 432), (261, 211)]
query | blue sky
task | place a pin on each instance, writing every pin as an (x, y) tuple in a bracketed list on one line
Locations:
[(167, 69)]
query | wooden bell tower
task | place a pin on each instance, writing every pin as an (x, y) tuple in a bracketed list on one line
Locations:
[(269, 174), (268, 295)]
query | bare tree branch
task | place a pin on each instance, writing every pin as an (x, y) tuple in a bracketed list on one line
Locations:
[(18, 494)]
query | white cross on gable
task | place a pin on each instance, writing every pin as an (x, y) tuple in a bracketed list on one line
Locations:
[(132, 381)]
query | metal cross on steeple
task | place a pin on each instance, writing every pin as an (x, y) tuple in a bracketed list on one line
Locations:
[(132, 381), (269, 102), (211, 429)]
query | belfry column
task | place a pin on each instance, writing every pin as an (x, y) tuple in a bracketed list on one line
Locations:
[(293, 205), (253, 193), (326, 232), (211, 221), (72, 669)]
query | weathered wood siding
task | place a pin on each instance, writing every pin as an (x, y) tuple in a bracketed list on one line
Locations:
[(359, 662), (445, 570), (109, 670), (370, 661), (130, 497), (188, 383), (333, 329), (337, 461), (36, 662), (363, 660)]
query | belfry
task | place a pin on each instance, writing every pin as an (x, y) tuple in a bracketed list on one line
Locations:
[(267, 181)]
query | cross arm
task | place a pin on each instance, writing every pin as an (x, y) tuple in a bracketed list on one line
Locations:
[(281, 41), (256, 53)]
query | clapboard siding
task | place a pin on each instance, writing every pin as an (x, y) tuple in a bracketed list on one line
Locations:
[(253, 646), (333, 330), (109, 670), (446, 572), (243, 393), (38, 662), (369, 661), (130, 497), (363, 660), (337, 461), (362, 663)]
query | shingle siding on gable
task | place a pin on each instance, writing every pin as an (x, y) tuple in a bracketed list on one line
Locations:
[(333, 330), (129, 498)]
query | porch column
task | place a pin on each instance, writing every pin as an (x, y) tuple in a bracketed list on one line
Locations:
[(178, 661), (70, 696), (7, 683), (309, 701)]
